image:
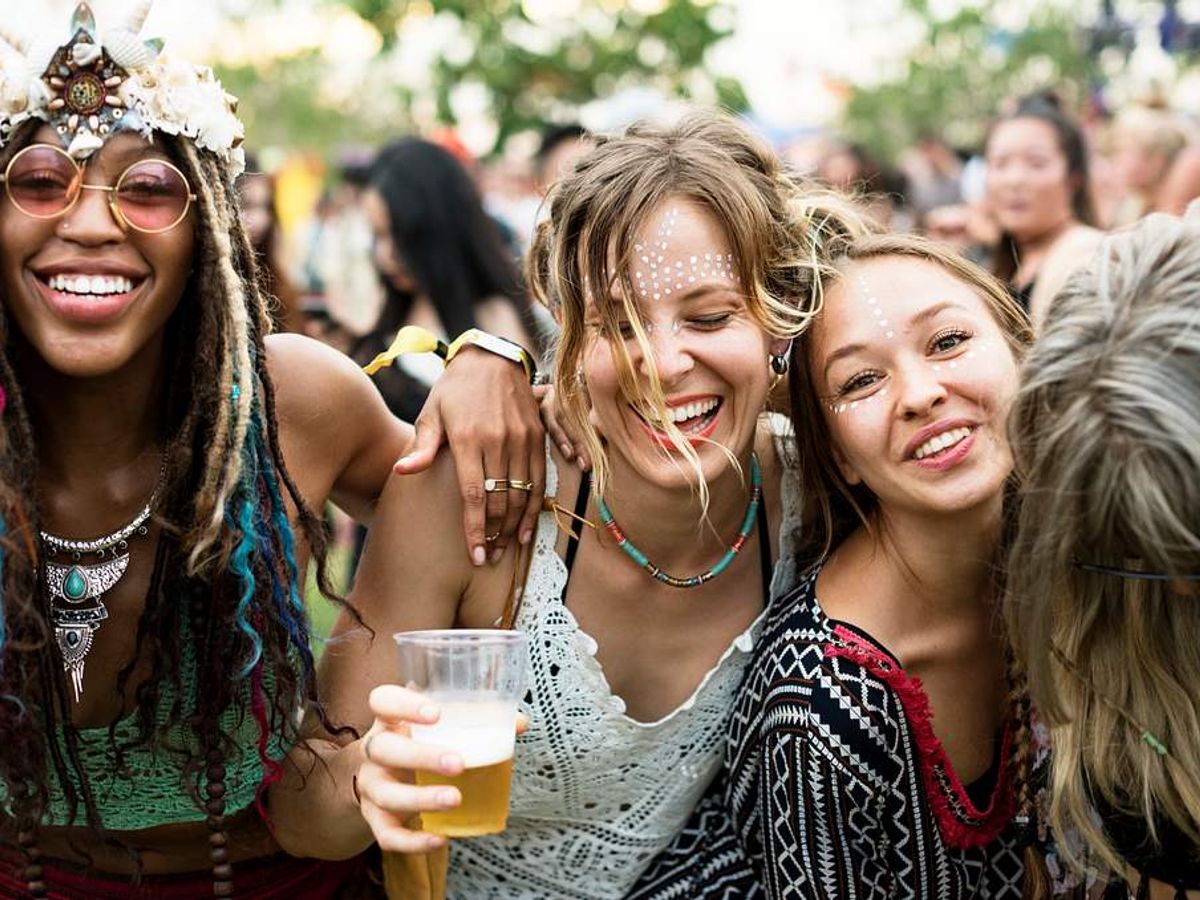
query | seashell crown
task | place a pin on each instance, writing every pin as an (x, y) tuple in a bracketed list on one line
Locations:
[(94, 86)]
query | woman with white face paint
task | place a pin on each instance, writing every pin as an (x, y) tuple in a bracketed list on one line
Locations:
[(879, 748), (679, 263)]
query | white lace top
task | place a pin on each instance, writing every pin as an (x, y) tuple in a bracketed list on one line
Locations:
[(596, 794)]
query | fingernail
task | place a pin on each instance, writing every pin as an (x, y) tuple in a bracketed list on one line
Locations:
[(567, 451), (428, 711), (447, 798), (479, 556), (435, 841), (526, 536), (450, 763), (497, 555)]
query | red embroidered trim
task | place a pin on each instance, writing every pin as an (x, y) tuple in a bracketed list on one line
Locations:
[(942, 785)]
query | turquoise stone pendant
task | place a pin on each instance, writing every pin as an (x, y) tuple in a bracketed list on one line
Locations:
[(75, 590), (77, 609)]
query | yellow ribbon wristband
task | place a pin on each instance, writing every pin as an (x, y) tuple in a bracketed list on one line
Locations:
[(510, 350), (409, 339)]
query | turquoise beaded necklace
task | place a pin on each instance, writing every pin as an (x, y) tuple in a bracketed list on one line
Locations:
[(658, 574)]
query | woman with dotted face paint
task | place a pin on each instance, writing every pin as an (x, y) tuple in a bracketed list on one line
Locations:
[(680, 262), (880, 748)]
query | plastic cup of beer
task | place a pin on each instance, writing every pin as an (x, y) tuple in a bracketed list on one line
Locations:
[(476, 677)]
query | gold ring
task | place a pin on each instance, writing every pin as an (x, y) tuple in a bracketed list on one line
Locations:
[(495, 485), (517, 484), (491, 538)]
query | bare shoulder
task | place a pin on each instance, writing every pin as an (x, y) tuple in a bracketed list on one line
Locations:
[(1070, 252), (321, 391), (308, 374)]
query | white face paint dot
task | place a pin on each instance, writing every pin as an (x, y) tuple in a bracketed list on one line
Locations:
[(954, 365), (891, 334)]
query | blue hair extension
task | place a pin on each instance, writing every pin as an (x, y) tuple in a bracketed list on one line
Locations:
[(240, 565), (294, 618), (287, 537)]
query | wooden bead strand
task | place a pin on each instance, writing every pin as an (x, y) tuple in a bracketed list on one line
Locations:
[(35, 879), (218, 838)]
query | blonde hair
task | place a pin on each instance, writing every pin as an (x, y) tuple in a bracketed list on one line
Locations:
[(1152, 130), (1106, 438), (776, 226)]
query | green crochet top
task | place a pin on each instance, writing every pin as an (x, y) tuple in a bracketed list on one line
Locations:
[(150, 790)]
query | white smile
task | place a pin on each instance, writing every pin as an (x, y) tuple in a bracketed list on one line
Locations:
[(941, 442), (90, 285), (691, 416)]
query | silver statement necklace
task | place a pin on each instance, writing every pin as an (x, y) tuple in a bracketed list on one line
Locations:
[(76, 587)]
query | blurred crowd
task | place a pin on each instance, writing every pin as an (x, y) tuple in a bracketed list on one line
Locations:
[(423, 233), (420, 232)]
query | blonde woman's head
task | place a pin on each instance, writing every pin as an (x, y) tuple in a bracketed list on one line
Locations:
[(1106, 436), (678, 260)]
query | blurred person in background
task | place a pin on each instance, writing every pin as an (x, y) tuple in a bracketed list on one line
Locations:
[(1037, 218), (934, 174), (1038, 192), (561, 147), (851, 168), (256, 194), (342, 296), (1182, 182), (442, 261), (1147, 142)]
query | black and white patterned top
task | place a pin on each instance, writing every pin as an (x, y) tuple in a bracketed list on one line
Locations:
[(836, 786)]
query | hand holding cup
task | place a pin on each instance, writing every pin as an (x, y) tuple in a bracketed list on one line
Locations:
[(389, 797)]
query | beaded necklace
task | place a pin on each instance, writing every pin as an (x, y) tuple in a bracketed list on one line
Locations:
[(658, 574)]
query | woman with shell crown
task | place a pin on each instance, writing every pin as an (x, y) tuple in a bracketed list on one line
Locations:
[(151, 678)]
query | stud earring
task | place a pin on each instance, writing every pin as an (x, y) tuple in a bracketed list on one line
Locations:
[(779, 364)]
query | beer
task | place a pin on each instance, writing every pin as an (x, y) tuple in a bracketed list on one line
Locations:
[(484, 809), (483, 733)]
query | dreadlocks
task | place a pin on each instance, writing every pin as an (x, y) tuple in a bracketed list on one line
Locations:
[(223, 626)]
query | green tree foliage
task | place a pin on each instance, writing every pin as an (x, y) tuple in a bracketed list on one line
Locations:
[(530, 71), (963, 71)]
